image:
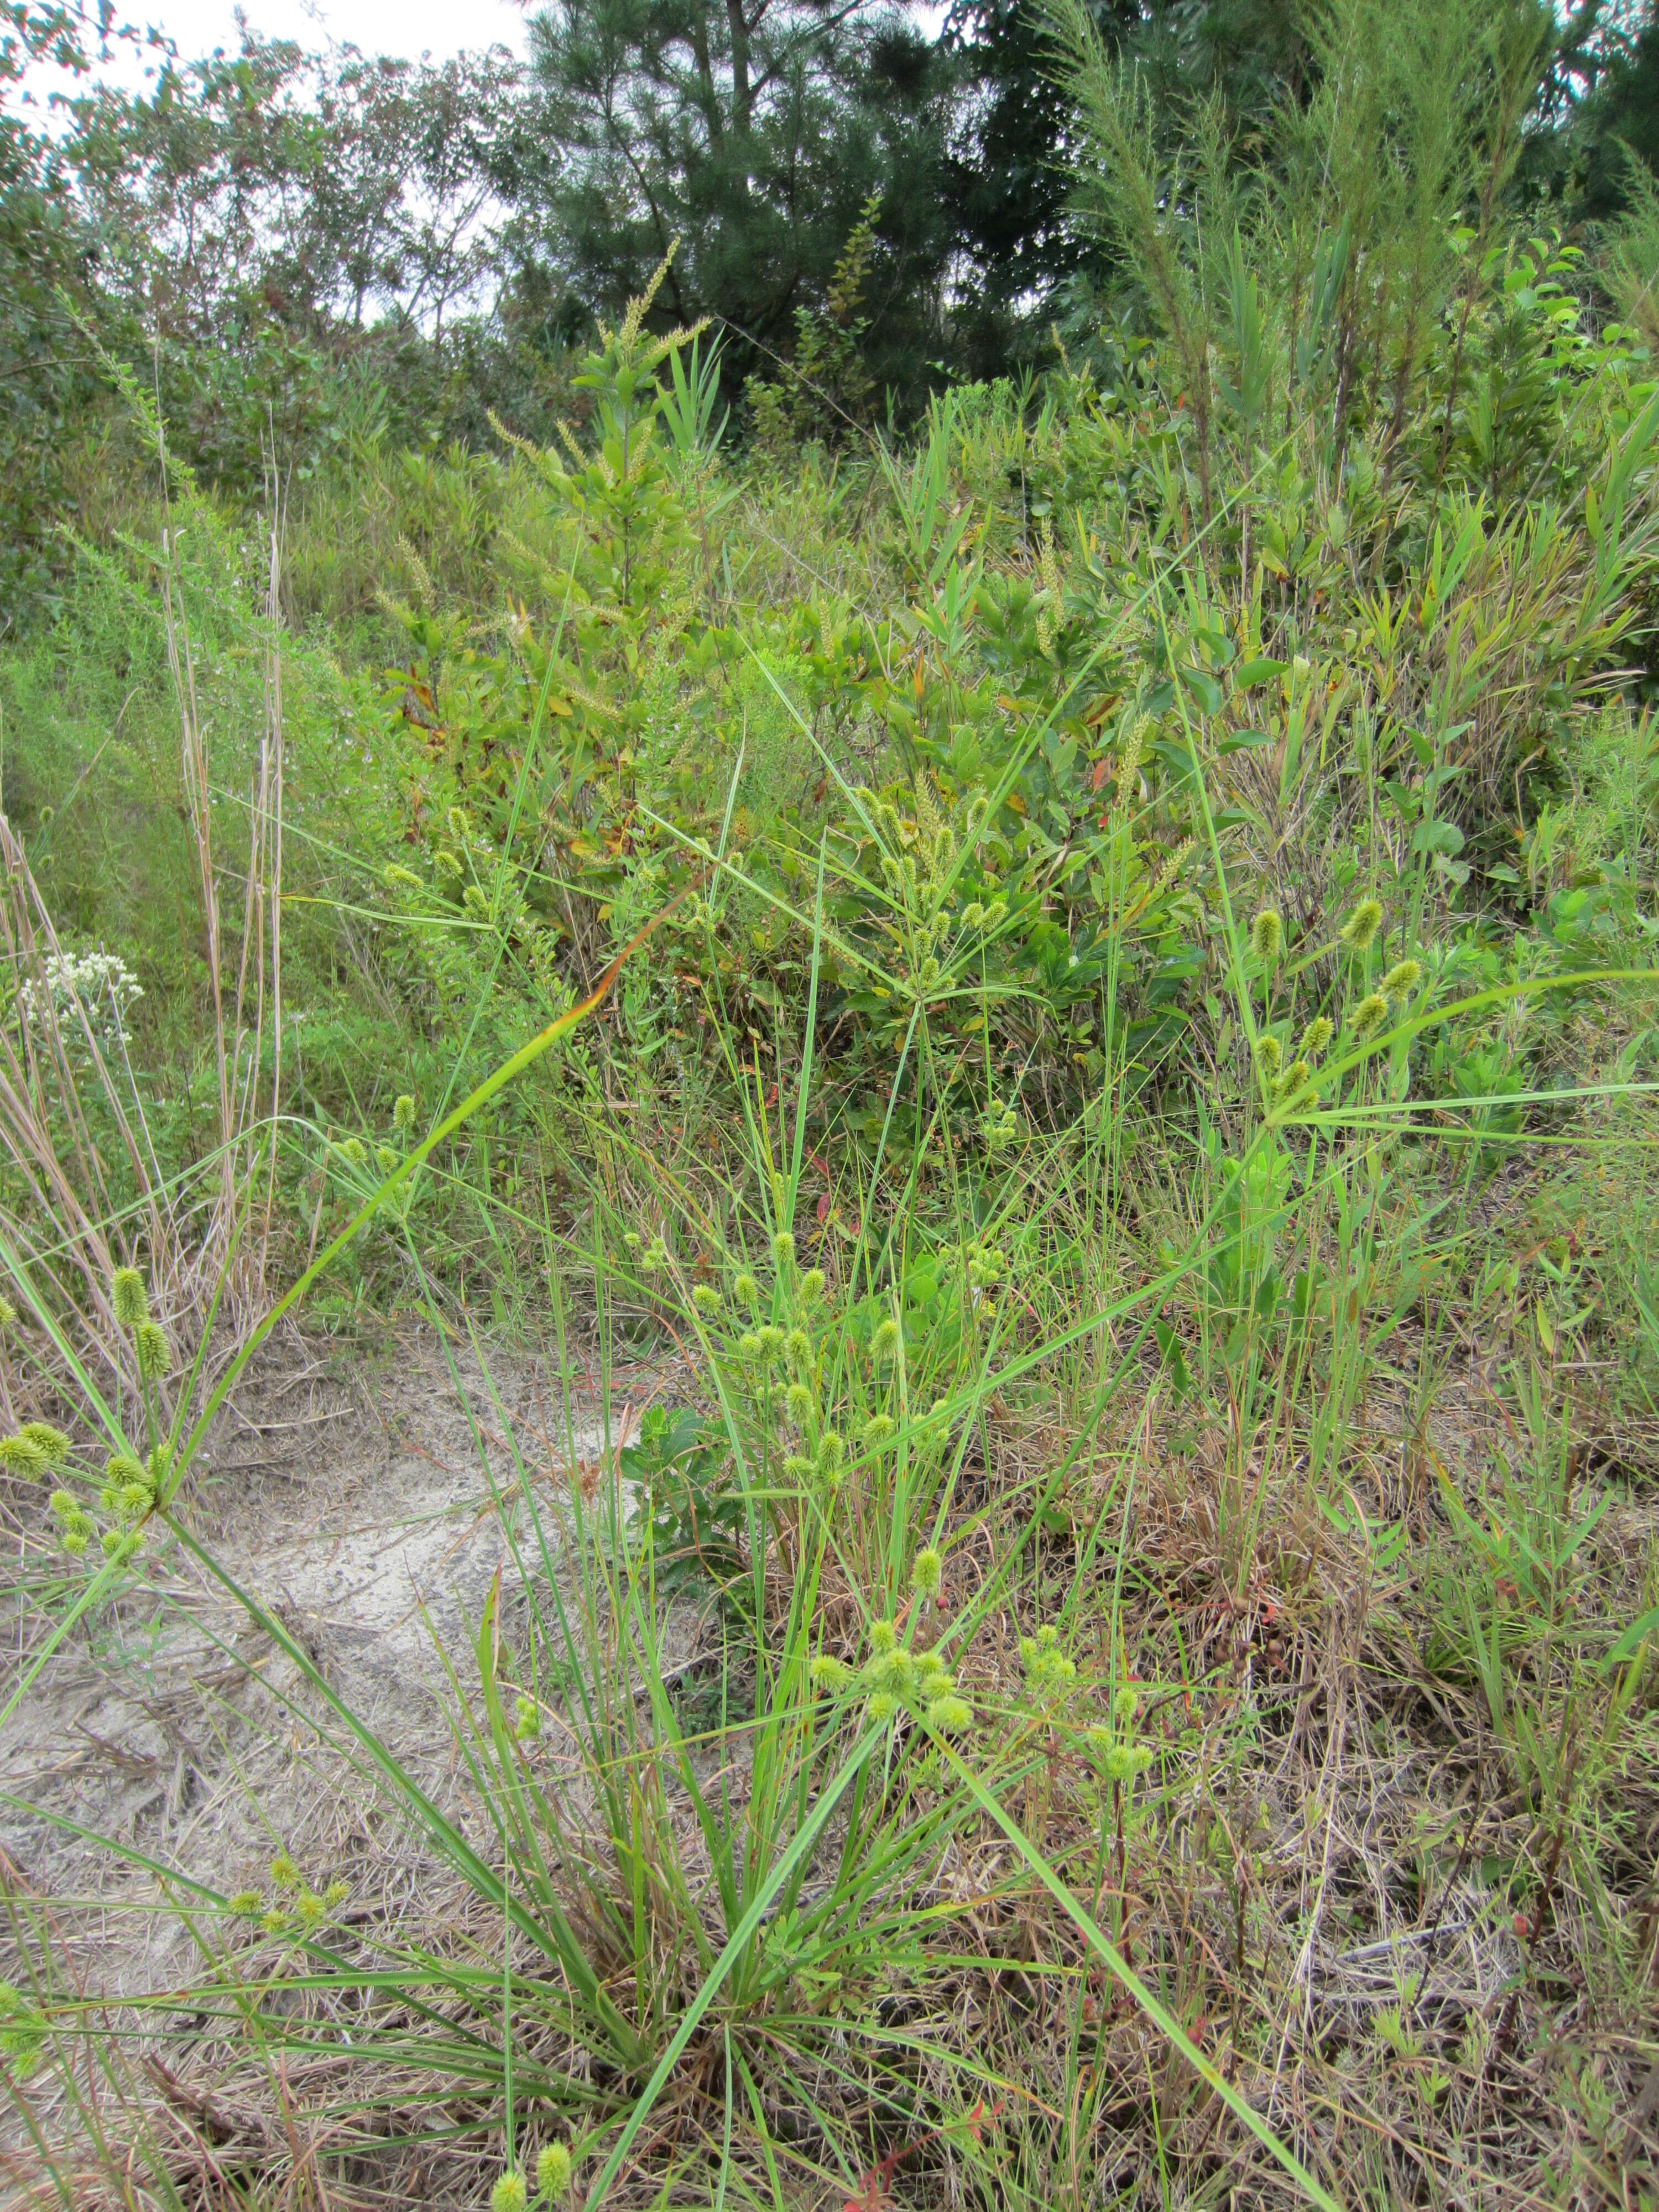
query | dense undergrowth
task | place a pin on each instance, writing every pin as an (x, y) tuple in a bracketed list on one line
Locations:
[(1081, 996)]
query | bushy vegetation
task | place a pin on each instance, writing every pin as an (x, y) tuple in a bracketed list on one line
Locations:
[(1044, 1034)]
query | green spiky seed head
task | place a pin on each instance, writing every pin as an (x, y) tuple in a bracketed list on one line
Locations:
[(1314, 1038), (772, 1339), (706, 1298), (22, 1455), (273, 1922), (121, 1470), (745, 1289), (62, 1505), (876, 1430), (354, 1150), (128, 1297), (927, 1571), (799, 1345), (403, 1114), (799, 1404), (1361, 927), (459, 827), (76, 1535), (509, 2194), (881, 1707), (476, 904), (54, 1444), (1266, 935), (950, 1716), (885, 1342), (1293, 1080), (1370, 1017), (1124, 1704), (527, 1719), (136, 1500), (244, 1904), (884, 1638), (749, 1344), (336, 1893), (283, 1872), (8, 1313), (829, 1676), (929, 1668), (553, 2171), (783, 1251), (831, 1452), (798, 1468), (1403, 979), (309, 1910), (150, 1341), (1267, 1056), (446, 863), (973, 915), (811, 1286), (385, 1159), (395, 876), (1557, 1251)]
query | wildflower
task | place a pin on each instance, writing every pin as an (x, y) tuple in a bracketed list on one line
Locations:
[(1362, 924), (950, 1716), (118, 1472), (283, 1872), (1124, 1704), (393, 876), (995, 915), (885, 1342), (447, 862), (62, 1504), (509, 2194), (354, 1150), (54, 1443), (931, 1675), (745, 1290), (135, 1499), (1368, 1017), (798, 1468), (22, 1455), (772, 1341), (876, 1430), (1267, 1056), (884, 1638), (459, 827), (811, 1286), (973, 915), (831, 1451), (75, 1534), (403, 1114), (553, 2171), (1266, 935), (831, 1677), (881, 1708), (927, 1571), (127, 1294), (527, 1719), (385, 1159), (1314, 1038), (1292, 1080), (706, 1298), (783, 1251), (244, 1904), (151, 1342), (336, 1894), (273, 1922), (309, 1910), (798, 1346), (1403, 979), (749, 1344)]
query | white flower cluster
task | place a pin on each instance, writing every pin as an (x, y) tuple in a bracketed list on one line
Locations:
[(105, 986)]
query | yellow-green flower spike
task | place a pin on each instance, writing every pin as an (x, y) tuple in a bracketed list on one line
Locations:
[(811, 1286), (1362, 924), (509, 2194), (553, 2171), (22, 1455), (1267, 1056), (527, 1719), (885, 1342), (950, 1716), (283, 1872), (830, 1676), (745, 1290), (1368, 1017), (403, 1114), (783, 1251), (8, 1313), (884, 1638), (1314, 1038), (54, 1444), (1266, 935), (706, 1298), (150, 1341), (128, 1297), (244, 1904), (1403, 979), (927, 1571)]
